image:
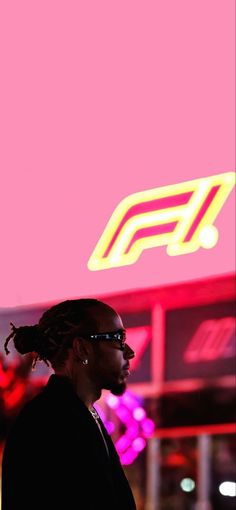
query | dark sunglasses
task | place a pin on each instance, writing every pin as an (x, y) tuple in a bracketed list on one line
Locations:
[(117, 336)]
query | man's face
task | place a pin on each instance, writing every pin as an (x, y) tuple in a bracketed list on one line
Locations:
[(109, 364)]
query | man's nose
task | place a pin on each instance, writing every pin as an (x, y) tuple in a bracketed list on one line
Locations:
[(128, 352)]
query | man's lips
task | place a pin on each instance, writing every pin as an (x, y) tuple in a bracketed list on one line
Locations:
[(126, 370)]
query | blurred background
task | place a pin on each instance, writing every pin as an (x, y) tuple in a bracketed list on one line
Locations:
[(117, 162), (174, 428)]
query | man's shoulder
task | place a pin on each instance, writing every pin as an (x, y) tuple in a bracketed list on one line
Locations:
[(30, 415), (54, 409)]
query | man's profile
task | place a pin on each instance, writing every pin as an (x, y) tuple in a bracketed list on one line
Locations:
[(58, 453)]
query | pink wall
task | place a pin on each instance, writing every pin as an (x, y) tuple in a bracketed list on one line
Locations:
[(99, 100)]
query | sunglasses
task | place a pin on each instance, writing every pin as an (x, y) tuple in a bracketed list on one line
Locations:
[(117, 336)]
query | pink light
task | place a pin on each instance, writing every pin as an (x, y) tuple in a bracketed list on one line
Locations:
[(132, 430), (122, 444), (123, 413), (139, 413), (129, 400), (113, 401), (138, 427), (148, 427), (110, 427), (138, 444), (128, 457)]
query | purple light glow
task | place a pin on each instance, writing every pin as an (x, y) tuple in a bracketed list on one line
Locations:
[(139, 444), (122, 444), (109, 426), (129, 401), (124, 414), (138, 427), (128, 457), (148, 427), (133, 430), (139, 413), (100, 412), (113, 401)]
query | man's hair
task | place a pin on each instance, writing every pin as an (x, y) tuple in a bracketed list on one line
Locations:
[(50, 339)]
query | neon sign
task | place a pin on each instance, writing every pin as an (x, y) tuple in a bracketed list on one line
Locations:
[(133, 418), (179, 216), (213, 339)]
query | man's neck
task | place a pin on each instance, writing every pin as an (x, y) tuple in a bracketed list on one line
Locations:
[(83, 388)]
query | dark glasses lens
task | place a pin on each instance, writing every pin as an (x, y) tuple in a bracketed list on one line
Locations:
[(117, 336)]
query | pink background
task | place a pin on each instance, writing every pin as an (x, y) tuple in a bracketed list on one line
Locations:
[(100, 99)]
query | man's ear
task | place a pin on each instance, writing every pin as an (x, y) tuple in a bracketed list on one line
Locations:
[(80, 349)]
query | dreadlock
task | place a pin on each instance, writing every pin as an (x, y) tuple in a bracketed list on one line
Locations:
[(53, 335)]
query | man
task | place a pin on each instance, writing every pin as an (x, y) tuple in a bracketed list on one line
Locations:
[(58, 453)]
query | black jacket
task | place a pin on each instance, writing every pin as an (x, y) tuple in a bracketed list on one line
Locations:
[(55, 457)]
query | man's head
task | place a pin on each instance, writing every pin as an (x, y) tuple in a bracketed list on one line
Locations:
[(101, 345), (85, 334)]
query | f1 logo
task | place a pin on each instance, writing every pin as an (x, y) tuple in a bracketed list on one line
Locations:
[(179, 216)]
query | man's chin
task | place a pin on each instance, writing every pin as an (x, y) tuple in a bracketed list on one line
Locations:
[(118, 389)]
